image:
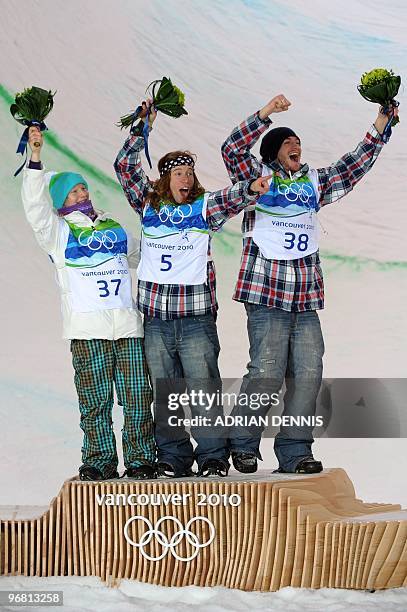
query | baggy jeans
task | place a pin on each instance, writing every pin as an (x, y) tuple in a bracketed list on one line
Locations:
[(283, 346)]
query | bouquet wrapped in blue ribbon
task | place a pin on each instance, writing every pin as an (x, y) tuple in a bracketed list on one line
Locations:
[(31, 107), (381, 86), (167, 98)]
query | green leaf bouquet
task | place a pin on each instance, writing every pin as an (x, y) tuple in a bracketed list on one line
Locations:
[(380, 86), (31, 107), (167, 98)]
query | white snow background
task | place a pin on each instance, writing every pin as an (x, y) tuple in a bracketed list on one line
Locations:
[(229, 57)]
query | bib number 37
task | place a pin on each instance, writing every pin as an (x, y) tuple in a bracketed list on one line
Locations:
[(291, 239), (107, 288)]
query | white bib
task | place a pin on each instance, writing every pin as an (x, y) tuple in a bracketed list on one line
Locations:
[(174, 244), (286, 224), (102, 288), (97, 268)]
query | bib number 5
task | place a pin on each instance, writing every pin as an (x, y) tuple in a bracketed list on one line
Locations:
[(103, 287), (166, 263), (302, 242)]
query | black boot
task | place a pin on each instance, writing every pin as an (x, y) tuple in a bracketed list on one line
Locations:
[(90, 472), (245, 462), (213, 467), (140, 472), (307, 465), (166, 470)]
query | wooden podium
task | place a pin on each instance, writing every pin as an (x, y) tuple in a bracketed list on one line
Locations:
[(259, 533)]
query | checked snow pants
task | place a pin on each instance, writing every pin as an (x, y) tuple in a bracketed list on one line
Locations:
[(99, 366)]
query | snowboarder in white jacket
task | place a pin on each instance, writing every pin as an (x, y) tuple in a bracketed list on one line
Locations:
[(92, 254)]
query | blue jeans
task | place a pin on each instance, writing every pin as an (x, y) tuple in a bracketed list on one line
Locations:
[(283, 346), (188, 349)]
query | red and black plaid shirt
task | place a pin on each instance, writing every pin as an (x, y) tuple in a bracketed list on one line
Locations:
[(175, 301), (295, 285)]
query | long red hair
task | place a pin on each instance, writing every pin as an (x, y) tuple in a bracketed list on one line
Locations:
[(161, 191)]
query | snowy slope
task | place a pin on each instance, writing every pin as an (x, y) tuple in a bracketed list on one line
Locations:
[(229, 57)]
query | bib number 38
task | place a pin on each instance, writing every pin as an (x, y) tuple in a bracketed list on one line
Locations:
[(291, 240)]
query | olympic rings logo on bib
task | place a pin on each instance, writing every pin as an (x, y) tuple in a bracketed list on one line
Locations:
[(294, 192), (98, 239), (172, 543), (175, 215)]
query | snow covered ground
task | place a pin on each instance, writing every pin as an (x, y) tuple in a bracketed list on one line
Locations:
[(89, 594), (229, 57)]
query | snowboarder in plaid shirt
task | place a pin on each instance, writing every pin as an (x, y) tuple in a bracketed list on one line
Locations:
[(280, 279), (177, 292)]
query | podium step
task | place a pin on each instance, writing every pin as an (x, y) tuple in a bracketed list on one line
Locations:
[(261, 532)]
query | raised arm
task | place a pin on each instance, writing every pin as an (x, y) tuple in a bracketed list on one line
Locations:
[(37, 206), (337, 180), (239, 162), (132, 178), (127, 165), (227, 203)]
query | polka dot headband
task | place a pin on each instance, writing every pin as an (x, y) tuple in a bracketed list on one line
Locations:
[(181, 160)]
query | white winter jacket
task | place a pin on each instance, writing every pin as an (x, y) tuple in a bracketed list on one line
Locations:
[(51, 232)]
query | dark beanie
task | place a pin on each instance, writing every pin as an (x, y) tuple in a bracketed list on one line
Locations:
[(272, 142)]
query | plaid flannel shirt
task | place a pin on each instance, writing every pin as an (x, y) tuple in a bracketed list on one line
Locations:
[(175, 301), (295, 285)]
